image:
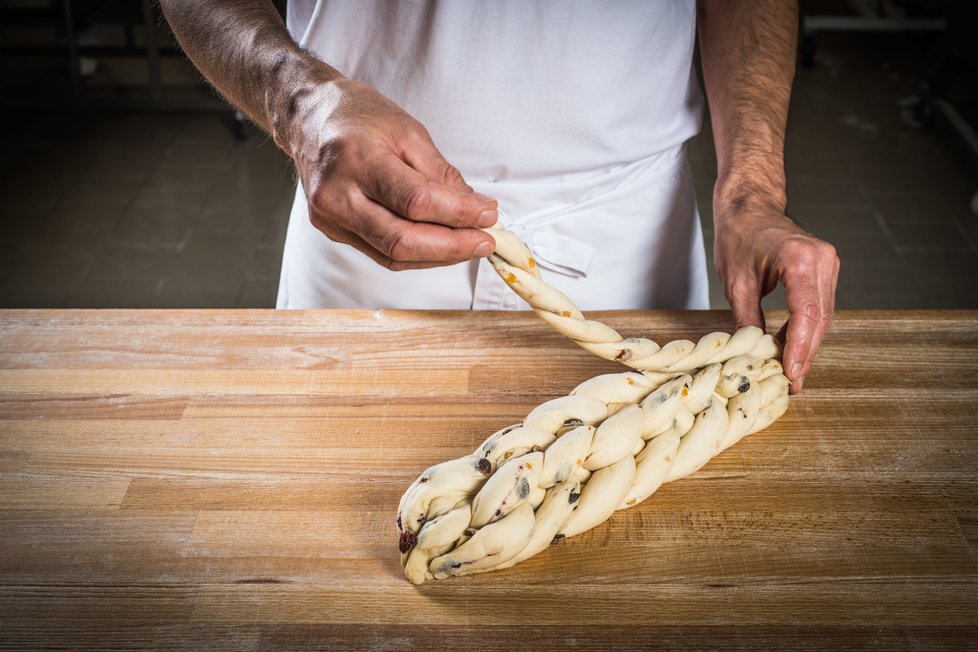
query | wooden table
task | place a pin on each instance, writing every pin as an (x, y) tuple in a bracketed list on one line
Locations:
[(229, 479)]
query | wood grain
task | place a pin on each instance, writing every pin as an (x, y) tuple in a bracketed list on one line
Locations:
[(228, 479)]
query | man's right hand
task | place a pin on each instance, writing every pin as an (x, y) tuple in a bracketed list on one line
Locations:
[(375, 180), (371, 173)]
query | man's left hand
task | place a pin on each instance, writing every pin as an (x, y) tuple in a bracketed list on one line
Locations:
[(757, 246)]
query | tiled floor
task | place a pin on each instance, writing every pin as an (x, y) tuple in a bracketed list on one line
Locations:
[(170, 210), (141, 210)]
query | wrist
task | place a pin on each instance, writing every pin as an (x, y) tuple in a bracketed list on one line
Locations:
[(757, 182), (299, 85)]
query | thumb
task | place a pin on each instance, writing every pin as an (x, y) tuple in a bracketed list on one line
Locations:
[(745, 304), (426, 159)]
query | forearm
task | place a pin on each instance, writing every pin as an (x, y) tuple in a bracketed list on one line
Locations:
[(747, 49), (244, 49)]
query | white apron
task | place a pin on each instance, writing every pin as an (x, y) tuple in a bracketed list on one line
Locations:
[(573, 115)]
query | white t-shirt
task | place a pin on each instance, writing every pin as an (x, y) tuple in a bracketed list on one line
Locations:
[(573, 114)]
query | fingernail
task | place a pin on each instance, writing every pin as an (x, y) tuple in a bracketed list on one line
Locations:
[(482, 250), (794, 371), (487, 218)]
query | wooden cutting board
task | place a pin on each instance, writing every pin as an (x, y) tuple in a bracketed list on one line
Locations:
[(229, 479)]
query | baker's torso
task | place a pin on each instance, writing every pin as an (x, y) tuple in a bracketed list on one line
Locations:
[(547, 106)]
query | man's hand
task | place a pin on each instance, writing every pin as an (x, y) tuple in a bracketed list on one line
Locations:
[(757, 246), (748, 54), (371, 173), (376, 181)]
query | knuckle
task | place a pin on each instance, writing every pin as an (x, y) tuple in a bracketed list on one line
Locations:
[(417, 202), (416, 131), (826, 255), (741, 286), (332, 203), (451, 174), (321, 198), (809, 312), (798, 250), (401, 246)]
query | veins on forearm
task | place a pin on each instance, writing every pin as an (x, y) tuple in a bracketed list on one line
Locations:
[(748, 49), (244, 49)]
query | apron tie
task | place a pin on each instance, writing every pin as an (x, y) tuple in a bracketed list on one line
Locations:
[(556, 252)]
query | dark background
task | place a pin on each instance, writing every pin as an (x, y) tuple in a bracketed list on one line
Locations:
[(126, 182)]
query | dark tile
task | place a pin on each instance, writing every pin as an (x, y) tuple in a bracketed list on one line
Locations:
[(127, 156), (968, 225), (81, 224), (808, 165), (261, 158), (9, 252), (153, 129), (275, 233), (23, 224), (899, 179), (865, 249), (202, 285), (947, 279), (27, 196), (148, 227), (278, 226), (177, 186), (114, 292), (267, 261), (104, 188), (950, 268), (704, 187), (826, 220), (861, 279), (122, 261), (187, 153), (823, 191), (42, 276), (206, 127), (35, 295), (894, 210), (949, 294), (856, 299), (226, 210), (258, 293), (929, 235), (203, 246)]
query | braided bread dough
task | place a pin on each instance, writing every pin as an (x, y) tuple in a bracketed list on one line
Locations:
[(609, 445), (573, 461)]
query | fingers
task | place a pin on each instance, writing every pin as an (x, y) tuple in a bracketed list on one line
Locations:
[(745, 304), (809, 282), (804, 316), (358, 243), (374, 179), (410, 194), (400, 244)]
